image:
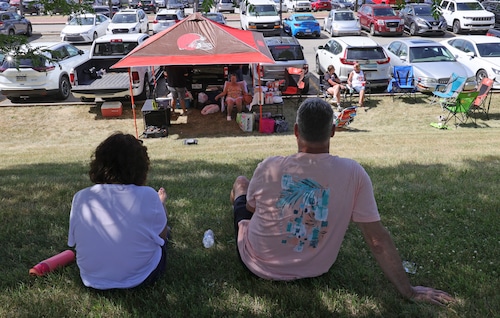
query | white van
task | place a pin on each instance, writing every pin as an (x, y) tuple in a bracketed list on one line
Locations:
[(260, 15)]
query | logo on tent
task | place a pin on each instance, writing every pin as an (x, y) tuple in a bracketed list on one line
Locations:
[(193, 41)]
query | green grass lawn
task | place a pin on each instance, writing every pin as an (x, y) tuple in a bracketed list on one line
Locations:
[(437, 190)]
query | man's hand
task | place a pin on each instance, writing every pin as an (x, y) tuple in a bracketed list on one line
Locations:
[(431, 295)]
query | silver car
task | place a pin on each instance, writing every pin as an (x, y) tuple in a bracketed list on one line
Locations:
[(12, 23), (224, 6), (432, 63), (341, 22)]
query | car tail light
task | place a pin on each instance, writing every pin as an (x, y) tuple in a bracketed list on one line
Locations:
[(384, 61), (176, 21), (72, 78), (44, 68), (343, 60), (135, 78), (155, 21), (296, 24)]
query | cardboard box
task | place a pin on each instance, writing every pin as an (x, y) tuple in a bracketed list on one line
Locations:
[(111, 109), (245, 121)]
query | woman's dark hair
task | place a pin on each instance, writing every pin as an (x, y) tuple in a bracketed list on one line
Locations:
[(120, 159), (315, 120)]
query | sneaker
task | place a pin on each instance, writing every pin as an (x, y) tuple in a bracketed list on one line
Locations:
[(339, 108), (228, 118)]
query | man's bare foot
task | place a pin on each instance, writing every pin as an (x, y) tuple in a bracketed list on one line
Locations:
[(163, 195)]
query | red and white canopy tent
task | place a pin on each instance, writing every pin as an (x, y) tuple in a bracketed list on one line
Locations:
[(197, 40)]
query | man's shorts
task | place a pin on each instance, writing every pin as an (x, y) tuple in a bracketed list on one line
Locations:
[(240, 212), (177, 92)]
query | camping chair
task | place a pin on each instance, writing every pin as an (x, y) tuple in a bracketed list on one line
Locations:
[(345, 117), (402, 82), (479, 105), (294, 82), (245, 91), (459, 108), (448, 92)]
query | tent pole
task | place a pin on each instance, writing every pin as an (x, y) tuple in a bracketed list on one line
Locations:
[(260, 95), (133, 102)]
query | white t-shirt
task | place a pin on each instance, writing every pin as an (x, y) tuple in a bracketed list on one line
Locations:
[(115, 229), (303, 206)]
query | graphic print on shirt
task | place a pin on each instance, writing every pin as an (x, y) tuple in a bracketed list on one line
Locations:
[(309, 202)]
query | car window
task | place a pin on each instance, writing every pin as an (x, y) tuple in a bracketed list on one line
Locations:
[(365, 53), (394, 47), (286, 52), (458, 44), (489, 49), (469, 6), (423, 10), (468, 47), (383, 12), (72, 50), (335, 48)]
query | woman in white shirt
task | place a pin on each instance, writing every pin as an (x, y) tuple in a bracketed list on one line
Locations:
[(357, 81)]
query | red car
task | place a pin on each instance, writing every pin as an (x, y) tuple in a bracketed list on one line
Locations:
[(318, 5), (380, 19)]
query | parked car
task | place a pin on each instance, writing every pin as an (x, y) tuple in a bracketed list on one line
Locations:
[(287, 52), (133, 4), (161, 3), (32, 7), (149, 6), (175, 4), (466, 15), (480, 53), (321, 5), (432, 62), (85, 28), (298, 5), (224, 6), (215, 16), (165, 18), (302, 24), (380, 19), (343, 52), (11, 23), (104, 10), (493, 7), (282, 8), (342, 4), (129, 21), (418, 20), (44, 74), (5, 6), (342, 22)]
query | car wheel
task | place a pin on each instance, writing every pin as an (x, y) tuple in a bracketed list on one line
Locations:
[(64, 88), (456, 27), (12, 32), (318, 68), (331, 31), (413, 29), (29, 30), (480, 75), (372, 29)]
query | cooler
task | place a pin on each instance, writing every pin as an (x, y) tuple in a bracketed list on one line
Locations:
[(111, 109)]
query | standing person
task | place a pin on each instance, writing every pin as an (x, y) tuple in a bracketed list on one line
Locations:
[(176, 84), (357, 82), (291, 217), (118, 226), (234, 95), (335, 84)]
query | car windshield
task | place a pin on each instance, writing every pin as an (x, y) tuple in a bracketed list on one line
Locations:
[(262, 10), (383, 12), (489, 49), (163, 17), (423, 10), (430, 54), (305, 18), (469, 6), (81, 21), (23, 62), (344, 16), (366, 53), (124, 18), (113, 48), (286, 52)]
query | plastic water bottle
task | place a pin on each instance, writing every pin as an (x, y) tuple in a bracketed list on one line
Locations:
[(208, 238)]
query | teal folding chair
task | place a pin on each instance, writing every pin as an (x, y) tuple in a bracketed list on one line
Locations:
[(447, 93)]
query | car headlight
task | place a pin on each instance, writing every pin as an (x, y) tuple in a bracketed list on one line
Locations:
[(496, 71), (427, 81), (471, 79)]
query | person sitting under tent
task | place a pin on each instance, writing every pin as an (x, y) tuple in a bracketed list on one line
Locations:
[(233, 91)]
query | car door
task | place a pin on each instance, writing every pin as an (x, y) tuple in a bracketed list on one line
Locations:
[(398, 53), (364, 16), (102, 23), (447, 10), (327, 25), (462, 50)]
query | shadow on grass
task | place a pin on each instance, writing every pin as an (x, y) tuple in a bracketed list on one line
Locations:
[(443, 219)]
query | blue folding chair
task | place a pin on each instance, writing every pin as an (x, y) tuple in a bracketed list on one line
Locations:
[(449, 92), (402, 82)]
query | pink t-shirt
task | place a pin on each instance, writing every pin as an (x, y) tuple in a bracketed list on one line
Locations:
[(303, 206)]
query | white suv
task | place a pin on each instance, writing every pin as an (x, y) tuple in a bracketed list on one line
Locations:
[(129, 21), (467, 15), (165, 18), (23, 77)]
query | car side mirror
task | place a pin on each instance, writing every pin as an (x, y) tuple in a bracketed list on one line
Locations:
[(243, 12), (469, 54), (81, 52), (321, 47)]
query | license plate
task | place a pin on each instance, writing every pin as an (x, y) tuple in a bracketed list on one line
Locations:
[(21, 78), (308, 30), (392, 29), (434, 28), (196, 86)]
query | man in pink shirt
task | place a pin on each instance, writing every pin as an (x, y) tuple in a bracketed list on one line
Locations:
[(291, 217)]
